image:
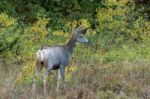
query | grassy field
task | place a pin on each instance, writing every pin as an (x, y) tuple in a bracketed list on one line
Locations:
[(117, 74)]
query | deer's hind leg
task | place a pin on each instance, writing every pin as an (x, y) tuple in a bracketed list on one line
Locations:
[(38, 70), (46, 73)]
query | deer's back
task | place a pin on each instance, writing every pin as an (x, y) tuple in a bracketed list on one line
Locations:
[(52, 56)]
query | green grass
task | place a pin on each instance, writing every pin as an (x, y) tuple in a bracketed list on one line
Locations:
[(117, 74)]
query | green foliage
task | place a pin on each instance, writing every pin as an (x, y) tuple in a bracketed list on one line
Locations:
[(8, 7), (117, 26), (114, 28), (112, 64), (8, 35)]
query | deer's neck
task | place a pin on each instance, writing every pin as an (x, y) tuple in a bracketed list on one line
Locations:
[(71, 45)]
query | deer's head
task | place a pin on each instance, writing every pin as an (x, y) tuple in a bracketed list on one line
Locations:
[(79, 34)]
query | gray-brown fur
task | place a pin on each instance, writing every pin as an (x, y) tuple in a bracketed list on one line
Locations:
[(57, 57)]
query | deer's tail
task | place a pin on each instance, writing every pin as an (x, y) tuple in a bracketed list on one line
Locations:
[(40, 56)]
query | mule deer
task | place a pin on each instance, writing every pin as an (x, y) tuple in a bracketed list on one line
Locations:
[(57, 57)]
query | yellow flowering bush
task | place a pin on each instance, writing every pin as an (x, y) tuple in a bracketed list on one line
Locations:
[(111, 19), (40, 27), (85, 23), (71, 24), (60, 33), (142, 29), (38, 30), (117, 25), (115, 2), (27, 74), (6, 20)]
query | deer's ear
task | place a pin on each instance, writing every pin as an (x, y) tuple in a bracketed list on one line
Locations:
[(84, 30)]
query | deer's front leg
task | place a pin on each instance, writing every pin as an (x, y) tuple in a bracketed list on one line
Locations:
[(58, 79), (63, 76), (45, 76)]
